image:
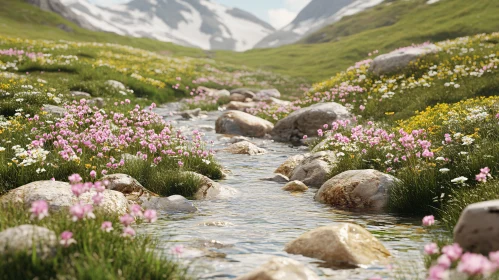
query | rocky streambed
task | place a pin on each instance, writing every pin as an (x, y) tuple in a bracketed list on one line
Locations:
[(233, 236)]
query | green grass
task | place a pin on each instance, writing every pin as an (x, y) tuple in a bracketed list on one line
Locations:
[(394, 24), (96, 254)]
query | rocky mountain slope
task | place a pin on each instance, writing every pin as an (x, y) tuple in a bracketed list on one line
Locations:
[(195, 23), (317, 14)]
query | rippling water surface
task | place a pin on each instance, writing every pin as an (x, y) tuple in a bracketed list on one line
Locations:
[(231, 237)]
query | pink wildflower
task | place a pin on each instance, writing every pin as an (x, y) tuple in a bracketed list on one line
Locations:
[(107, 226), (126, 220), (150, 215), (39, 209), (428, 220), (93, 174), (75, 178), (67, 239), (431, 248), (453, 251), (474, 264), (128, 232), (136, 210)]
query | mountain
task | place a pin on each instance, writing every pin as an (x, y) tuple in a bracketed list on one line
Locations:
[(195, 23), (57, 7), (317, 14)]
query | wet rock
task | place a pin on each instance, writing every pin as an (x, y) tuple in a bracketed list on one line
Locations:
[(278, 178), (245, 148), (280, 268), (240, 106), (395, 61), (190, 114), (240, 123), (171, 204), (287, 167), (478, 227), (295, 186), (307, 121), (54, 110), (265, 94), (25, 238), (115, 84), (80, 94), (237, 97), (209, 189), (357, 189), (59, 196), (340, 244), (206, 127), (314, 169), (212, 244), (237, 139)]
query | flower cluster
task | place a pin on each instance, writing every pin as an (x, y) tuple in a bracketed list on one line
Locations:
[(452, 257), (81, 211)]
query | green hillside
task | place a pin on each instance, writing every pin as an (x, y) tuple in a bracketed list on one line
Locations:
[(19, 19), (390, 25)]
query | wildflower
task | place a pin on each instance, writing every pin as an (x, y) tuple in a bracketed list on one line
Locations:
[(136, 210), (431, 248), (78, 189), (453, 251), (438, 272), (474, 264), (484, 174), (128, 232), (107, 226), (97, 198), (467, 140), (67, 239), (444, 261), (93, 174), (75, 178), (180, 163), (305, 137), (320, 132), (126, 220), (40, 170), (2, 149), (459, 180), (428, 221), (362, 107), (444, 170), (80, 212), (39, 209), (150, 215)]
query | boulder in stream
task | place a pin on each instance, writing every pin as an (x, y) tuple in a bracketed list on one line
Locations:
[(341, 244), (314, 169), (280, 268), (240, 123), (295, 186), (306, 121), (357, 189)]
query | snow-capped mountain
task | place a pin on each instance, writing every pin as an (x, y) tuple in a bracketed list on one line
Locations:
[(317, 14), (196, 23)]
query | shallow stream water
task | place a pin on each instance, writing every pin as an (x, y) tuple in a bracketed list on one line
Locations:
[(230, 237)]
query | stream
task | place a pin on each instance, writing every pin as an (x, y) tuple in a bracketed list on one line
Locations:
[(230, 237)]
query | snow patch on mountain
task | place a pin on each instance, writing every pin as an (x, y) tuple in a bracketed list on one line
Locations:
[(197, 23)]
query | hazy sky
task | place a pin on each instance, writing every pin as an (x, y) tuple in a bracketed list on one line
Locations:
[(276, 12)]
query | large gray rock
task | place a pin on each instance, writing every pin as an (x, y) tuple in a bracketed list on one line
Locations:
[(80, 94), (171, 204), (116, 85), (25, 238), (266, 94), (124, 183), (247, 93), (240, 123), (236, 97), (340, 244), (53, 110), (478, 227), (245, 148), (307, 121), (314, 169), (287, 167), (357, 189), (280, 268), (190, 114), (59, 196), (222, 93), (395, 61)]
